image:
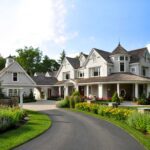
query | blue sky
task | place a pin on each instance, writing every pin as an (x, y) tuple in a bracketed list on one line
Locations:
[(73, 25)]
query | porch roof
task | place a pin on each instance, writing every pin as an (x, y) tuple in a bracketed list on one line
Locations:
[(42, 80), (116, 77)]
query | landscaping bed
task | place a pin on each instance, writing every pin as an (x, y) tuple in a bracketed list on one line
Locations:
[(36, 125)]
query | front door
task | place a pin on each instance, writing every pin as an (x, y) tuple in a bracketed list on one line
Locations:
[(49, 93), (81, 90)]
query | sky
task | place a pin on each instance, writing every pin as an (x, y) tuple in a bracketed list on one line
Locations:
[(73, 25)]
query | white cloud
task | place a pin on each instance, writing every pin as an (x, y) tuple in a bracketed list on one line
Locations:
[(32, 22)]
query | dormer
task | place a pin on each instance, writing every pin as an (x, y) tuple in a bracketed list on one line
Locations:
[(82, 58), (121, 58), (9, 60)]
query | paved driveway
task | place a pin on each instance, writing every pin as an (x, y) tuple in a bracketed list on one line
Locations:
[(76, 131)]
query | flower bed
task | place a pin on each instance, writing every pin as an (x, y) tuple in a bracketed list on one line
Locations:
[(10, 117)]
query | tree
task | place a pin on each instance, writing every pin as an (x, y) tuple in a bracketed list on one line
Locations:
[(2, 62), (62, 56), (48, 64), (29, 58)]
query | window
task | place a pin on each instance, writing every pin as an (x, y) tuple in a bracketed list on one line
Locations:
[(126, 58), (15, 76), (66, 75), (121, 57), (144, 71), (95, 72), (13, 92), (121, 66), (133, 69), (80, 74)]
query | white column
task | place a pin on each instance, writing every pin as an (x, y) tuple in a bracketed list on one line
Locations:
[(136, 90), (66, 91), (87, 90), (76, 87), (100, 91), (118, 89), (46, 93), (21, 98), (59, 91), (148, 89)]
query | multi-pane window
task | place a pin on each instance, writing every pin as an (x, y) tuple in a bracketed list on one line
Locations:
[(13, 92), (15, 76), (133, 69), (80, 74), (144, 71), (121, 66), (95, 72), (66, 75), (121, 57)]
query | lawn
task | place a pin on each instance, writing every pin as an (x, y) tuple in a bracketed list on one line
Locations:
[(139, 136), (37, 124)]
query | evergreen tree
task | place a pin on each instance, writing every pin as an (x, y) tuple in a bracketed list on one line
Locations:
[(62, 56)]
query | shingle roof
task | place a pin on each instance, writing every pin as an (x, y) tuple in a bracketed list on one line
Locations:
[(119, 50), (53, 73), (74, 62), (42, 80), (104, 54), (129, 77), (136, 54)]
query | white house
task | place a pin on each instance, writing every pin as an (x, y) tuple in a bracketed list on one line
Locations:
[(14, 79), (101, 73)]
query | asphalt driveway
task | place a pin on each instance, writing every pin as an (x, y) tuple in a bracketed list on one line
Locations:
[(77, 131)]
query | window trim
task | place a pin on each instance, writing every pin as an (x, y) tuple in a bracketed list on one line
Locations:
[(123, 67), (16, 77), (92, 74), (78, 73), (64, 75)]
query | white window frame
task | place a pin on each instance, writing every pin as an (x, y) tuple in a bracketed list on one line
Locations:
[(15, 92), (80, 72), (134, 69), (64, 75), (16, 77), (91, 71)]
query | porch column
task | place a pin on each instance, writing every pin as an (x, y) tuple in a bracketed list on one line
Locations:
[(66, 91), (118, 89), (148, 89), (136, 90), (100, 90), (21, 98), (76, 87), (87, 90), (59, 91), (46, 94)]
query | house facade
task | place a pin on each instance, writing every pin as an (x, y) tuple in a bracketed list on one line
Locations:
[(14, 79), (101, 73)]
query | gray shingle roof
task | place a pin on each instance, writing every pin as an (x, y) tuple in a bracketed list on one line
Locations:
[(104, 54), (136, 54), (115, 77), (119, 50), (74, 62), (42, 80)]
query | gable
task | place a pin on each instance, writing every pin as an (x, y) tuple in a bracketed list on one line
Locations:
[(94, 59), (24, 79), (65, 67)]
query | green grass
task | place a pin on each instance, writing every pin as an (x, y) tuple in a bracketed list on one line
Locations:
[(139, 136), (37, 124)]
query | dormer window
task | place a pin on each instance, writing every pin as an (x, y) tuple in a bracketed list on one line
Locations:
[(80, 73), (15, 76)]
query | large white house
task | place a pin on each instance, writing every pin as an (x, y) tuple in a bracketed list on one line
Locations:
[(14, 79), (101, 73)]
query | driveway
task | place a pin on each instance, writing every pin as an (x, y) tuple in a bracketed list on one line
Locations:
[(77, 131)]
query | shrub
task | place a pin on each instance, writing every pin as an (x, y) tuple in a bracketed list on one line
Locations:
[(115, 98), (72, 102), (140, 122), (10, 117), (63, 103), (76, 93)]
